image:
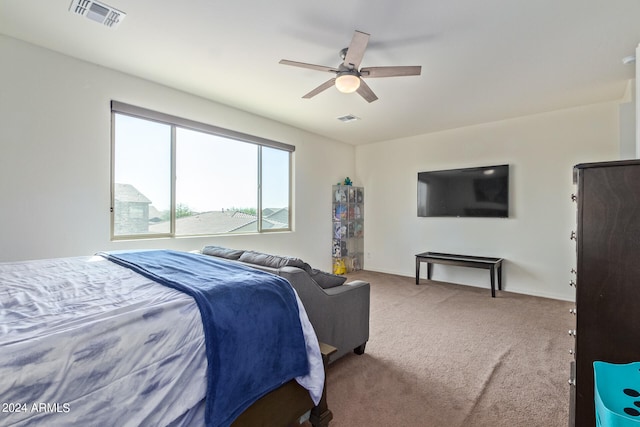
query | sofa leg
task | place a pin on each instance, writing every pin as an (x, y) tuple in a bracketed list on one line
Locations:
[(360, 349)]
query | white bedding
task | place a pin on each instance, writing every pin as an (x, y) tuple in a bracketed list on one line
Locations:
[(85, 342)]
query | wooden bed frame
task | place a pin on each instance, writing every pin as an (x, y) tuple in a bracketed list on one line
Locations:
[(285, 405)]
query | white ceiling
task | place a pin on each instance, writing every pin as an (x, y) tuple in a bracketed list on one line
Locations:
[(481, 61)]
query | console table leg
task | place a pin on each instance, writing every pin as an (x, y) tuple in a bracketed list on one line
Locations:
[(429, 269), (493, 283), (417, 271), (500, 277)]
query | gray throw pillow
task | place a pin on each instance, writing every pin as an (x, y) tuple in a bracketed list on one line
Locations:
[(221, 252), (327, 280), (273, 261)]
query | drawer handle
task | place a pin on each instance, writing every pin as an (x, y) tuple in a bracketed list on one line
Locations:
[(572, 332)]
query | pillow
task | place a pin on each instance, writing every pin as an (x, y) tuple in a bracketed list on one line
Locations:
[(221, 252), (297, 262), (327, 280), (273, 261)]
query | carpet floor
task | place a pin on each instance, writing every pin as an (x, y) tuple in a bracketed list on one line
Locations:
[(449, 355)]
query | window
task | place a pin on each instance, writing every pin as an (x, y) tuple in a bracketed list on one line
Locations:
[(176, 177)]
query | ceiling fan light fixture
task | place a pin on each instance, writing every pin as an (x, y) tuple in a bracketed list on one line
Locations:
[(348, 75), (347, 83)]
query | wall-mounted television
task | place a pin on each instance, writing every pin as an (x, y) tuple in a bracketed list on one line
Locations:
[(469, 192)]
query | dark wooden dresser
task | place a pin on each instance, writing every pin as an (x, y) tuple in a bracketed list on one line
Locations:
[(607, 276)]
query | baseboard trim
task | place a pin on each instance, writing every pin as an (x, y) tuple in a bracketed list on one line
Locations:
[(529, 292)]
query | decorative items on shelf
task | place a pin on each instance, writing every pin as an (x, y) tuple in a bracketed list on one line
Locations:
[(348, 227), (339, 266)]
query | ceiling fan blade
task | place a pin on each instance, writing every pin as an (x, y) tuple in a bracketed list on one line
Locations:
[(365, 91), (356, 49), (324, 86), (310, 66), (391, 71)]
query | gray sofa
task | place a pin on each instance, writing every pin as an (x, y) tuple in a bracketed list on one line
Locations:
[(338, 311)]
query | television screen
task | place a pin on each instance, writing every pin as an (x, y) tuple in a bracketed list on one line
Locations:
[(470, 192)]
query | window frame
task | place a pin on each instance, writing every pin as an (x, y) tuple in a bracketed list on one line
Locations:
[(178, 122)]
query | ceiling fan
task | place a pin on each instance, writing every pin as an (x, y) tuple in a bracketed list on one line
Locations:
[(349, 77)]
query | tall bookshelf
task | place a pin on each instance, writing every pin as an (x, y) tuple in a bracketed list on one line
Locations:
[(348, 228)]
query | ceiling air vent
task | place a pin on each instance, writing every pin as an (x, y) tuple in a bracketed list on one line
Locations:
[(348, 118), (98, 12)]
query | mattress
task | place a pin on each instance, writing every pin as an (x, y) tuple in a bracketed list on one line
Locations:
[(84, 341)]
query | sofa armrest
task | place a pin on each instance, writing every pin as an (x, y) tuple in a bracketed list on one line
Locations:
[(346, 287), (339, 315)]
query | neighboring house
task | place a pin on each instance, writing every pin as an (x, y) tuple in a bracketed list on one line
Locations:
[(227, 221), (271, 219), (278, 218), (154, 214), (131, 210)]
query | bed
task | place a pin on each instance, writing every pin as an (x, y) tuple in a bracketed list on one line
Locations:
[(121, 339)]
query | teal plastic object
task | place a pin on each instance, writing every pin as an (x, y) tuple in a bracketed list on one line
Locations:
[(617, 394)]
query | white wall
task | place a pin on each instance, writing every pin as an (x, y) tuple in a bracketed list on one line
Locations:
[(628, 122), (541, 150), (55, 160)]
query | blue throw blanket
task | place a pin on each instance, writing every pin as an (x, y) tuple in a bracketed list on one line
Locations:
[(252, 329)]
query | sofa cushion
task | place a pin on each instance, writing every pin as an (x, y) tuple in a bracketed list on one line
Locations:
[(221, 252), (327, 280), (273, 261)]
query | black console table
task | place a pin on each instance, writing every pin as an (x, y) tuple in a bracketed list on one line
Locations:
[(492, 264)]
